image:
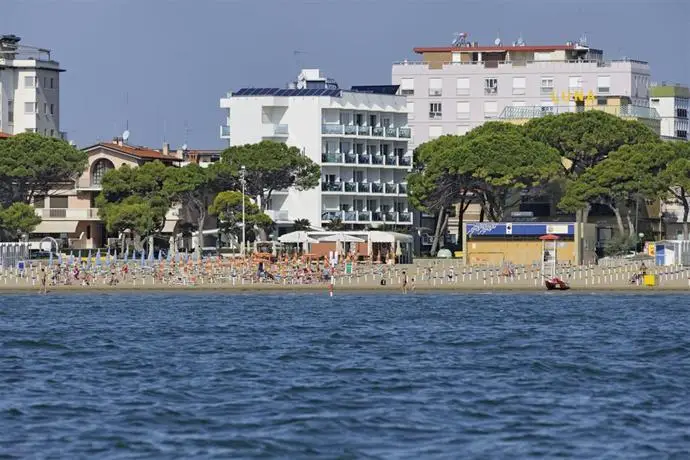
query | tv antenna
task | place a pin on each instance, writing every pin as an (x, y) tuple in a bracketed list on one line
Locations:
[(460, 38)]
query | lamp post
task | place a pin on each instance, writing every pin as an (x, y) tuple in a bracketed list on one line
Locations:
[(243, 172)]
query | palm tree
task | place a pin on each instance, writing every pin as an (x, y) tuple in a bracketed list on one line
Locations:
[(334, 225), (301, 224)]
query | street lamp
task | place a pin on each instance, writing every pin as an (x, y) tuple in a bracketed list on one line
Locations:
[(243, 172)]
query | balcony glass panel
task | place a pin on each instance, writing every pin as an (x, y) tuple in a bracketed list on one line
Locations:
[(377, 217), (377, 160), (350, 130), (364, 159), (350, 216), (405, 161), (332, 129), (363, 130), (363, 216), (331, 158), (390, 160), (332, 186), (350, 187), (389, 217), (404, 217), (402, 188), (350, 158), (405, 132), (363, 187), (330, 215), (391, 188), (376, 188), (391, 132), (377, 131)]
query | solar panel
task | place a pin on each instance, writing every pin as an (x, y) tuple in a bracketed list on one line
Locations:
[(287, 92)]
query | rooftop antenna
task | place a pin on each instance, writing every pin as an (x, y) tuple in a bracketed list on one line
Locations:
[(125, 135), (583, 39), (186, 135), (520, 40)]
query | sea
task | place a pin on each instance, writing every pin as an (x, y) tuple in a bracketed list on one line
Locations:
[(353, 376)]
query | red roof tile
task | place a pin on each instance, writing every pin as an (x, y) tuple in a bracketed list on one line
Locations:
[(136, 151)]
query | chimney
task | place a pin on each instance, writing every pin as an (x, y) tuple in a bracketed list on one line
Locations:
[(117, 141), (166, 148)]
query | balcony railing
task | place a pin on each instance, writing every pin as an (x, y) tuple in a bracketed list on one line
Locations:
[(377, 160), (391, 160), (392, 188), (405, 161), (376, 188), (332, 186), (350, 187), (350, 158), (363, 187), (278, 216), (224, 131), (368, 216), (68, 213), (331, 158), (402, 189), (623, 111), (354, 130)]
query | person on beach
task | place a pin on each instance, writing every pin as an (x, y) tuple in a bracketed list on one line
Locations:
[(44, 280), (404, 282), (412, 284)]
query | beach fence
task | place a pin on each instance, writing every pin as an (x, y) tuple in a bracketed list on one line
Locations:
[(13, 253)]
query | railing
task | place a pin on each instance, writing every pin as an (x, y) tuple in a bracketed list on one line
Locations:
[(85, 184), (376, 188), (405, 161), (354, 130), (332, 186), (278, 216), (377, 160), (363, 187), (350, 158), (520, 63), (331, 158), (67, 213), (368, 216), (624, 111), (224, 131), (364, 159), (350, 187), (391, 188), (391, 160), (402, 189)]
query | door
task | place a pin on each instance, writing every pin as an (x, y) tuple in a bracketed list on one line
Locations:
[(359, 205), (359, 119), (372, 120), (371, 205)]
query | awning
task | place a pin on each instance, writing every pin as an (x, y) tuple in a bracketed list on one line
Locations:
[(56, 226), (389, 237), (169, 226)]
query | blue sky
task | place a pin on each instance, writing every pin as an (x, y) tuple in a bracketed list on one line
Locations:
[(163, 64)]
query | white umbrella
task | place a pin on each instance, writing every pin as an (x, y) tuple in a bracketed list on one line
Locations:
[(297, 237), (341, 237)]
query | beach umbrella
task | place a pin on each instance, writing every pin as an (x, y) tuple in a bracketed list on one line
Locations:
[(177, 257), (71, 258), (151, 254), (88, 259), (160, 256), (143, 260), (59, 258), (79, 257), (168, 256), (98, 258), (50, 259), (115, 255), (186, 257)]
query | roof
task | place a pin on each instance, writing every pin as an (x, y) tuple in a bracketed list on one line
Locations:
[(135, 151), (286, 92), (377, 89), (497, 49), (4, 135)]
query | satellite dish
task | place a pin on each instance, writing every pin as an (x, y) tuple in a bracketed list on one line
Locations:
[(184, 146), (125, 135), (497, 42)]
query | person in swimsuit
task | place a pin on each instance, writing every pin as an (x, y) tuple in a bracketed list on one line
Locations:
[(404, 282), (44, 280)]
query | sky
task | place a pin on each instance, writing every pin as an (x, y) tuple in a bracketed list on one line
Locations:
[(161, 66)]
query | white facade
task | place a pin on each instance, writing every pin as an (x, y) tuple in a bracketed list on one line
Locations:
[(29, 90), (360, 141), (456, 89), (672, 103)]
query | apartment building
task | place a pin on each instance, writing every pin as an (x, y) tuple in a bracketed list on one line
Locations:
[(70, 215), (453, 89), (359, 138), (671, 101), (29, 89)]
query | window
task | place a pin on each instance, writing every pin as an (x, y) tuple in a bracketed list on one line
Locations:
[(463, 110), (410, 110), (52, 109), (51, 83), (30, 82), (52, 133), (462, 130), (407, 86), (10, 111), (45, 82), (29, 107), (435, 87), (462, 87), (682, 113), (435, 131), (490, 85), (99, 168), (59, 202), (45, 108), (435, 110), (39, 202), (601, 101), (88, 232), (603, 84), (546, 86), (683, 134), (519, 85), (490, 109), (575, 83)]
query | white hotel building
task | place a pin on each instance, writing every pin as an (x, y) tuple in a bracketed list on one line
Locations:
[(358, 137), (29, 89), (453, 89)]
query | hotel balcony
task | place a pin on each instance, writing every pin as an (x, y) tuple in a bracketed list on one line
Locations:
[(278, 216), (274, 130), (334, 129), (224, 132), (68, 214), (368, 188), (85, 185), (367, 217), (365, 159)]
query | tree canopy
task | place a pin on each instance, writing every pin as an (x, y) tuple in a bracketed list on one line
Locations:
[(271, 166), (228, 207), (586, 138), (17, 219), (31, 164)]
